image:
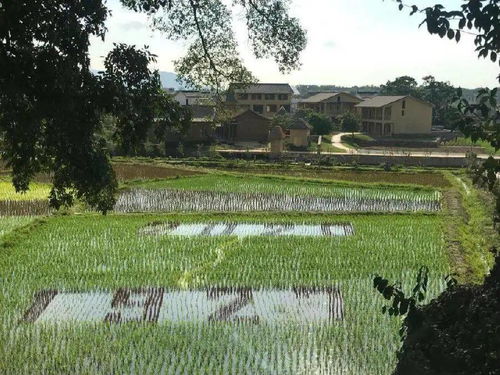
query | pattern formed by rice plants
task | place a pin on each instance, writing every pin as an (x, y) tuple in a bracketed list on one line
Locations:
[(132, 279)]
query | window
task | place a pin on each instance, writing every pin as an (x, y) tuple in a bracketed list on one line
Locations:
[(338, 99), (256, 96), (404, 104), (269, 96), (271, 108), (403, 113), (283, 96), (258, 108), (387, 113), (243, 96)]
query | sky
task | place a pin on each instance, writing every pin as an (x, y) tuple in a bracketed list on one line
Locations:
[(350, 42)]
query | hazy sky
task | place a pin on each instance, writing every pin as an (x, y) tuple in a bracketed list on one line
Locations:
[(350, 42)]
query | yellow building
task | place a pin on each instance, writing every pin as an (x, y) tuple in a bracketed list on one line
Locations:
[(392, 115), (263, 98), (332, 104)]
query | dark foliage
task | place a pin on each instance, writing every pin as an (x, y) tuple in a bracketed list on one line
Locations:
[(457, 333), (51, 105), (321, 123)]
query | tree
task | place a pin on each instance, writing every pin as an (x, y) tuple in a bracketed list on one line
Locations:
[(457, 333), (321, 123), (441, 95), (51, 104), (350, 122), (212, 59), (133, 93), (404, 85)]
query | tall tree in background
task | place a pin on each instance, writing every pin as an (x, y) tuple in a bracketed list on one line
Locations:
[(441, 95), (480, 120), (404, 85), (133, 93), (212, 59), (51, 105)]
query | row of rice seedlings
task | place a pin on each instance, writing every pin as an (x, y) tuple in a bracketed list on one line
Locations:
[(234, 184), (166, 200), (24, 207)]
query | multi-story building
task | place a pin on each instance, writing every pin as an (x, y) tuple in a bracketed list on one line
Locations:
[(263, 98), (331, 104), (391, 115)]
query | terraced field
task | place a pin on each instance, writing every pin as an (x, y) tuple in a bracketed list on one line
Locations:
[(216, 291)]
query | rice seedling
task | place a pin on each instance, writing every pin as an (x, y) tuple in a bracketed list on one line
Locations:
[(92, 295), (347, 200)]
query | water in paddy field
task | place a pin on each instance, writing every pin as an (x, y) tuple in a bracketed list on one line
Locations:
[(300, 305), (248, 229)]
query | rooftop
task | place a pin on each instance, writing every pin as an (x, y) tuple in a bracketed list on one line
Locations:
[(202, 113), (262, 88), (300, 124), (322, 96), (380, 101)]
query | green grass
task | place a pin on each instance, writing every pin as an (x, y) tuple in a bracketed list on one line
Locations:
[(353, 141), (282, 185), (326, 145), (92, 252)]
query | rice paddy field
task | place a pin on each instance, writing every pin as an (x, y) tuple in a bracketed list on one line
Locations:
[(212, 289)]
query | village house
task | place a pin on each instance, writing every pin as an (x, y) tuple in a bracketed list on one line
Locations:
[(201, 129), (331, 104), (202, 124), (245, 126), (393, 115), (262, 98)]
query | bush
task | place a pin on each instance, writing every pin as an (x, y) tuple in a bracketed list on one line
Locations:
[(457, 333)]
